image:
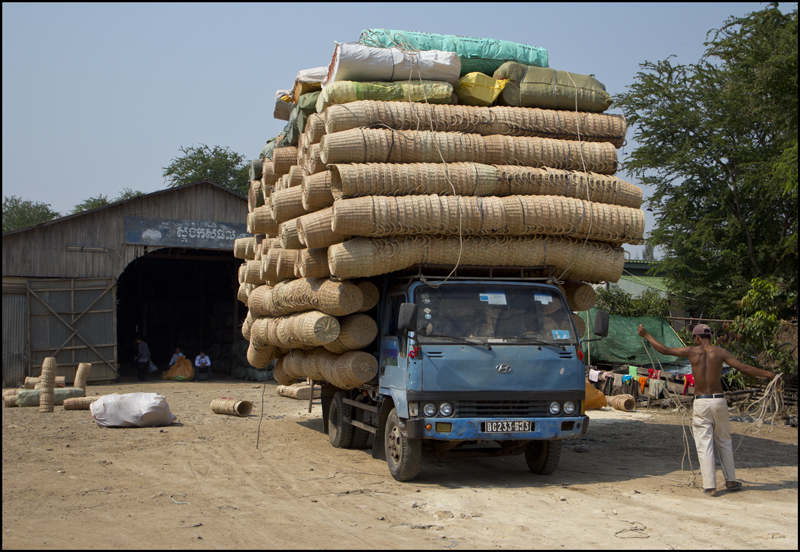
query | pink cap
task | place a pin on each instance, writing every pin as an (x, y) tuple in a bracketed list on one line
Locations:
[(701, 329)]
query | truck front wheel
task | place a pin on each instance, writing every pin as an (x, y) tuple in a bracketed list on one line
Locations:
[(543, 456), (339, 431), (403, 455)]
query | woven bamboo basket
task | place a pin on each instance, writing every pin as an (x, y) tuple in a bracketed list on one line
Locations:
[(46, 398), (82, 375), (351, 369), (475, 179), (48, 377), (79, 403), (295, 176), (283, 159), (268, 176), (287, 231), (32, 381), (9, 400), (317, 192), (306, 294), (591, 186), (626, 403), (240, 247), (313, 163), (306, 330), (249, 252), (392, 179), (315, 128), (579, 324), (573, 259), (515, 121), (307, 364), (299, 391), (260, 356), (269, 263), (252, 273), (375, 216), (599, 157), (312, 263), (242, 271), (262, 221), (232, 407), (281, 184), (371, 295), (287, 258), (363, 145), (248, 320), (287, 204), (580, 296), (242, 294), (281, 376), (356, 331), (258, 333), (314, 229)]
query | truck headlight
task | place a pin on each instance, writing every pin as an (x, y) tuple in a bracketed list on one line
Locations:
[(446, 409), (569, 408), (429, 410), (555, 408)]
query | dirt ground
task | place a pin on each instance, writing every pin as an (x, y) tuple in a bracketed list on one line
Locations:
[(203, 483)]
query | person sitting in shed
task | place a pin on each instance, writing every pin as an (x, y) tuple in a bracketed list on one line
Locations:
[(180, 368), (203, 367)]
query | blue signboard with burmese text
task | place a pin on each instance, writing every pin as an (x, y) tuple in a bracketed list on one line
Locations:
[(197, 234)]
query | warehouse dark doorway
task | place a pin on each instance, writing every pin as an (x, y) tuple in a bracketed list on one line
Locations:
[(178, 297)]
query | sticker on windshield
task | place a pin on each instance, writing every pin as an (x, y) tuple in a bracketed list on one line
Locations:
[(543, 298), (494, 297), (426, 311), (427, 317), (560, 334)]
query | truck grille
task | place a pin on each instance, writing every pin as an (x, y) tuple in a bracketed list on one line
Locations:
[(502, 409)]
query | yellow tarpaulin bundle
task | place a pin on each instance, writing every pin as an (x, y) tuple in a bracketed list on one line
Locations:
[(181, 371), (478, 89), (595, 400)]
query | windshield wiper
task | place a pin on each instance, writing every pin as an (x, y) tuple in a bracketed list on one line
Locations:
[(538, 342), (463, 340)]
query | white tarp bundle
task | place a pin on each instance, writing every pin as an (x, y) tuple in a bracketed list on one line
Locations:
[(356, 62), (132, 410)]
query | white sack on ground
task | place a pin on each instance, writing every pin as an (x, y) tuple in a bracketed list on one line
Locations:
[(132, 410)]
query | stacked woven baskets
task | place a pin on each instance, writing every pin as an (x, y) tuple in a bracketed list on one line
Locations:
[(377, 186)]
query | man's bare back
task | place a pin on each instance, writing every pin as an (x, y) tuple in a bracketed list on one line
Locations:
[(706, 362)]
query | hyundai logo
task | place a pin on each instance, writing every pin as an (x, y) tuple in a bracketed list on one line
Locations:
[(503, 368)]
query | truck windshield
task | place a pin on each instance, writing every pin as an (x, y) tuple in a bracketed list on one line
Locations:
[(524, 313)]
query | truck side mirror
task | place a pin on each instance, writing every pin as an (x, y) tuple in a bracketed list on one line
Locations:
[(407, 317), (601, 323)]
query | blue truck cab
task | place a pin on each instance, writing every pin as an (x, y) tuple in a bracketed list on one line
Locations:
[(467, 366)]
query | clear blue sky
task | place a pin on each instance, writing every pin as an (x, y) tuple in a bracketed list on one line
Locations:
[(100, 97)]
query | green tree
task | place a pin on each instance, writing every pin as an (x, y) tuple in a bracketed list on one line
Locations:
[(91, 203), (21, 213), (219, 165), (753, 334), (618, 301), (718, 143)]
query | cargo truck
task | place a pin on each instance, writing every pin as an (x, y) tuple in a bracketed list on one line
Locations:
[(476, 362)]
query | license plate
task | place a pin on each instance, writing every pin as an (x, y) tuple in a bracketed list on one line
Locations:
[(507, 426)]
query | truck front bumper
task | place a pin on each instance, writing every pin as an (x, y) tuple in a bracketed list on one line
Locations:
[(472, 429)]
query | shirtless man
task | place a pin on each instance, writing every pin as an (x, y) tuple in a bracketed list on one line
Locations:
[(710, 422)]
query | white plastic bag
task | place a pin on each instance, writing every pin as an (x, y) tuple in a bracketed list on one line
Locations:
[(132, 410), (356, 62), (153, 367)]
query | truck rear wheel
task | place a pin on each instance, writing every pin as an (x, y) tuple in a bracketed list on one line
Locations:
[(403, 455), (339, 431), (543, 456)]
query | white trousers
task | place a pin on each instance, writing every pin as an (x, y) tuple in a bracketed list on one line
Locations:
[(711, 425)]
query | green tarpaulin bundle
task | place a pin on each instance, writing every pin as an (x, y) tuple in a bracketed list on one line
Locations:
[(476, 54), (30, 397), (547, 88), (624, 345)]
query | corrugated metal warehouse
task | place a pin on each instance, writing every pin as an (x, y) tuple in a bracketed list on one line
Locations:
[(82, 287)]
